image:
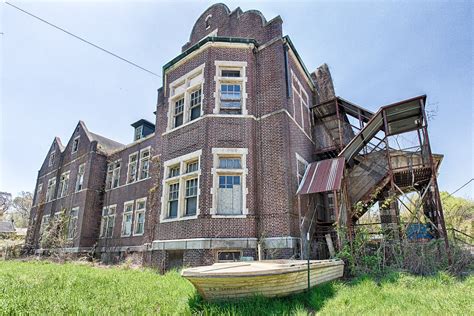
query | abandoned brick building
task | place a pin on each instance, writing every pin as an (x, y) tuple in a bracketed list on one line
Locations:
[(238, 120)]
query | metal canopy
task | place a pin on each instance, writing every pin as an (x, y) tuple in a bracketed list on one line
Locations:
[(397, 118), (322, 176)]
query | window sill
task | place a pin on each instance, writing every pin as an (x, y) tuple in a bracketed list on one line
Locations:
[(229, 216), (124, 185), (124, 236), (184, 218), (137, 235)]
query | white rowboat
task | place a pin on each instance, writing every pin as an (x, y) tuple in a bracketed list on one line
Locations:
[(269, 278)]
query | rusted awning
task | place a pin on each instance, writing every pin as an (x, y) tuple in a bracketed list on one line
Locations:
[(322, 176)]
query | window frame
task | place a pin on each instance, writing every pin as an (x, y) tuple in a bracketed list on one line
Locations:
[(181, 179), (51, 158), (142, 160), (80, 177), (135, 134), (63, 185), (298, 92), (130, 164), (300, 159), (139, 211), (113, 174), (75, 145), (70, 220), (216, 171), (50, 195), (106, 217), (126, 213), (183, 88), (219, 80)]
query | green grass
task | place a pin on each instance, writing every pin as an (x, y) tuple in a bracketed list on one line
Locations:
[(48, 288)]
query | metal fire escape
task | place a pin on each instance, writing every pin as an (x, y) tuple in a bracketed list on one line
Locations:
[(374, 170)]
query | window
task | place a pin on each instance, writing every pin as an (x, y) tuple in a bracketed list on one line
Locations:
[(138, 133), (72, 223), (139, 228), (113, 175), (192, 166), (75, 145), (191, 197), (228, 256), (231, 87), (208, 21), (44, 224), (301, 165), (52, 155), (108, 221), (181, 193), (178, 112), (50, 189), (301, 112), (127, 219), (39, 190), (185, 98), (132, 167), (63, 184), (80, 177), (331, 206), (229, 188), (145, 163), (173, 200), (195, 105), (173, 171)]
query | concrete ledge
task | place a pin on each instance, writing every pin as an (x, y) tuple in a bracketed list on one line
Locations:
[(66, 250), (204, 243), (122, 248), (224, 243), (280, 242)]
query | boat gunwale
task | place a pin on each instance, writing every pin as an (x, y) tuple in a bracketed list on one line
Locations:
[(295, 268)]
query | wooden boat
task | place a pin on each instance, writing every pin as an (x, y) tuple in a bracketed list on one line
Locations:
[(269, 278)]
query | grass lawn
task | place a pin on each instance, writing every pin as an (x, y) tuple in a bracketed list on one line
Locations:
[(48, 288)]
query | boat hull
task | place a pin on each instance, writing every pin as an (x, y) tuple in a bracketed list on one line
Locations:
[(266, 278)]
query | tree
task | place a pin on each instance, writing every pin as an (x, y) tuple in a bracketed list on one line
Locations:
[(458, 213), (21, 207), (5, 203)]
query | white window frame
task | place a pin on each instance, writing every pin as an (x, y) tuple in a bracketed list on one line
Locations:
[(138, 132), (216, 172), (299, 95), (181, 179), (242, 81), (303, 161), (51, 189), (39, 190), (63, 184), (142, 159), (74, 150), (134, 177), (183, 87), (138, 212), (51, 158), (126, 213), (80, 177), (70, 220), (107, 216), (112, 174)]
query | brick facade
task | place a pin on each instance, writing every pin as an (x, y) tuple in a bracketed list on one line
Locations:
[(274, 130)]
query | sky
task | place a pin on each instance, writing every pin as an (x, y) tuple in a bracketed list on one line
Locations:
[(378, 53)]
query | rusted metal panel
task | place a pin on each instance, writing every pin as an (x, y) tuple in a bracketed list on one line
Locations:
[(322, 176)]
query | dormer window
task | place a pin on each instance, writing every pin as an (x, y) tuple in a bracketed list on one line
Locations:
[(138, 133), (142, 128), (75, 145)]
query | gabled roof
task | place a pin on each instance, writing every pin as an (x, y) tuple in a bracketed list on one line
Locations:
[(60, 144), (105, 144), (7, 227)]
